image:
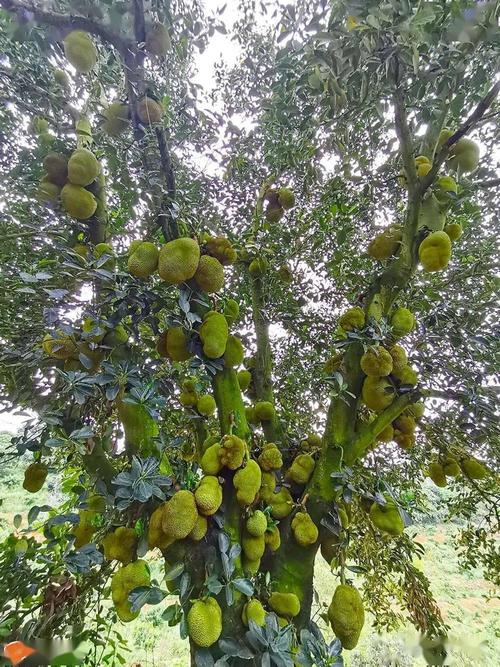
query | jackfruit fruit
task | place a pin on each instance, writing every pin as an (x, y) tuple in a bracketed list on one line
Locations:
[(204, 622), (256, 524), (386, 244), (253, 546), (247, 483), (274, 213), (286, 198), (83, 167), (84, 529), (405, 424), (221, 248), (285, 273), (258, 267), (142, 259), (301, 469), (270, 458), (208, 495), (253, 611), (178, 260), (387, 517), (399, 358), (352, 319), (333, 364), (387, 434), (125, 580), (115, 337), (244, 379), (346, 615), (80, 50), (281, 503), (157, 40), (48, 192), (268, 485), (272, 538), (285, 604), (206, 405), (376, 362), (464, 155), (231, 311), (200, 529), (454, 230), (38, 125), (442, 187), (232, 452), (34, 477), (209, 275), (210, 462), (404, 440), (264, 411), (117, 119), (423, 169), (445, 134), (56, 166), (250, 415), (402, 322), (304, 529), (120, 545), (451, 467), (435, 251), (188, 399), (78, 202), (377, 393), (179, 515), (149, 111), (251, 567), (172, 344), (59, 345), (234, 352), (416, 410), (214, 334), (105, 249), (436, 472), (312, 441), (156, 536), (473, 468), (406, 375)]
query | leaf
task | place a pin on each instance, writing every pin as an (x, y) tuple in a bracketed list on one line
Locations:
[(174, 572), (235, 649), (17, 521), (203, 658), (244, 586)]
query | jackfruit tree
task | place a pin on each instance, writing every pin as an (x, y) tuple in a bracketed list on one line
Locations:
[(247, 322)]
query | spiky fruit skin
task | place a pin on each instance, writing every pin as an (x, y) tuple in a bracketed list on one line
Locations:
[(442, 187), (274, 213), (416, 410), (464, 155), (80, 50), (56, 167), (179, 515), (256, 524), (375, 393), (188, 399), (423, 169), (210, 462), (59, 346), (214, 333), (120, 545), (143, 259), (200, 529), (435, 251), (156, 536), (234, 352), (231, 311), (352, 319), (286, 198), (158, 40), (402, 322), (281, 503), (206, 405), (232, 452), (178, 260), (78, 202), (386, 244), (222, 249), (117, 119), (387, 517), (333, 364), (244, 379), (304, 529), (376, 362), (451, 467), (267, 487), (208, 495), (270, 458), (258, 267), (204, 622), (473, 468), (253, 611), (406, 375), (34, 477), (173, 344), (149, 111), (301, 469), (272, 538), (83, 167), (209, 275), (347, 615), (399, 357), (247, 483), (48, 192), (285, 604), (436, 472), (387, 434), (253, 546), (445, 134), (264, 411), (454, 230), (124, 581)]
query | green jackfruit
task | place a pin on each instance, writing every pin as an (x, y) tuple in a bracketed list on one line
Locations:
[(158, 40), (59, 345), (149, 111), (256, 524), (78, 202), (464, 155), (210, 462), (204, 622), (387, 434), (80, 50), (125, 580), (188, 399), (285, 604), (206, 405), (270, 458), (48, 192), (222, 249), (333, 364), (416, 410), (274, 213), (286, 198), (376, 362), (281, 503), (454, 230), (405, 424), (253, 546), (200, 529), (264, 411), (115, 337), (404, 440), (179, 515), (61, 78), (352, 319), (443, 186), (347, 615), (253, 611), (232, 452), (214, 333), (209, 275), (56, 166), (231, 311), (272, 538), (142, 259), (102, 249), (301, 469), (451, 467), (435, 251), (406, 375), (120, 545), (178, 260), (244, 379), (85, 528), (234, 353), (208, 495), (304, 529), (258, 267), (83, 167), (399, 358), (247, 483), (156, 536), (377, 393), (402, 322), (386, 244), (173, 344), (35, 476), (473, 468), (268, 485), (116, 119), (312, 441), (250, 415), (387, 517)]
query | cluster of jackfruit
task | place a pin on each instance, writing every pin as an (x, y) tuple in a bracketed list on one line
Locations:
[(68, 181), (125, 580), (189, 397), (450, 466), (347, 615), (278, 200), (260, 412), (80, 51)]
